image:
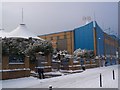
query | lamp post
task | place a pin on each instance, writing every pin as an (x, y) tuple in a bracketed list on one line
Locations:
[(105, 61), (99, 52), (0, 50), (118, 48)]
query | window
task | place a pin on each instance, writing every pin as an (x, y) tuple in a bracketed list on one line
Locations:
[(65, 37), (57, 37), (51, 38)]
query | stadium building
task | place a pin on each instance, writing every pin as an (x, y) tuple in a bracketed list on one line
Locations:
[(89, 37)]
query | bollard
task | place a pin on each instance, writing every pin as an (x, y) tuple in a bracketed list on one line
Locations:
[(100, 80), (50, 87), (113, 75)]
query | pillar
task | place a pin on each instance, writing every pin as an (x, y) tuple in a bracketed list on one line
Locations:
[(5, 62), (26, 61)]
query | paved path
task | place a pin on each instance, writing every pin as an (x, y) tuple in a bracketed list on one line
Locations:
[(86, 79)]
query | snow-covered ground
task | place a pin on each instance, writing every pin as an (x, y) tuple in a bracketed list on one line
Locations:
[(86, 79)]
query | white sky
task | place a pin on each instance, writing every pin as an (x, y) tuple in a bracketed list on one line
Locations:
[(59, 0), (48, 17)]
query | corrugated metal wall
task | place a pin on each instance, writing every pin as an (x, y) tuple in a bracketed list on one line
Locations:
[(100, 40), (83, 37)]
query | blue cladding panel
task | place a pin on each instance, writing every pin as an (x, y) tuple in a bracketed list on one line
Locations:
[(83, 37), (100, 42)]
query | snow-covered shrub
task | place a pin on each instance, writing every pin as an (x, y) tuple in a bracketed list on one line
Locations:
[(83, 53), (19, 47)]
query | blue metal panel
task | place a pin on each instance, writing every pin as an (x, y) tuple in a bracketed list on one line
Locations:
[(83, 37), (100, 40)]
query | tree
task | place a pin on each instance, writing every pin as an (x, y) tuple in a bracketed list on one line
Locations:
[(19, 47)]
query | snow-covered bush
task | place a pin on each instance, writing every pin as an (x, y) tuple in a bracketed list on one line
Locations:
[(19, 47), (83, 53)]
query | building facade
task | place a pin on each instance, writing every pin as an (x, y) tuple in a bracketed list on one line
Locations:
[(89, 37), (61, 40)]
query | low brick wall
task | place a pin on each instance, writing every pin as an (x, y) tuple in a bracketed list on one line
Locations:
[(14, 70), (56, 65), (71, 65), (15, 74), (16, 66), (47, 69)]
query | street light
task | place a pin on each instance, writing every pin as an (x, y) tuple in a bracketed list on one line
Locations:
[(99, 51), (0, 50), (98, 47)]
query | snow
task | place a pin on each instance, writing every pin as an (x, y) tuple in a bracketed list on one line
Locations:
[(71, 71), (20, 83), (16, 63), (22, 32), (57, 73), (44, 67), (10, 70), (86, 79), (75, 61), (74, 65), (0, 84)]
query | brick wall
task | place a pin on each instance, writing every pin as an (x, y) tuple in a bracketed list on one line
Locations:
[(14, 70)]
